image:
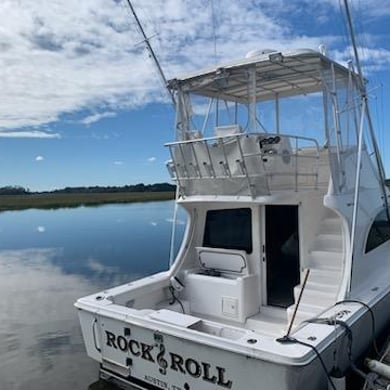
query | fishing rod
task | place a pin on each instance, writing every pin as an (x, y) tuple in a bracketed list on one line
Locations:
[(152, 53)]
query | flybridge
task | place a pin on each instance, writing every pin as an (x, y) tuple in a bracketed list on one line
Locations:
[(227, 114), (271, 74)]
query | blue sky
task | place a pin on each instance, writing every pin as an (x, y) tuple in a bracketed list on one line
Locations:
[(81, 103)]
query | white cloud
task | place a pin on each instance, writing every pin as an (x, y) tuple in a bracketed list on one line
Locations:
[(28, 134), (41, 229), (61, 57), (152, 159), (366, 8), (118, 162), (372, 60), (96, 117), (39, 158)]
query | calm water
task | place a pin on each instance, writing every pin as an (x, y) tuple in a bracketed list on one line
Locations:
[(48, 259)]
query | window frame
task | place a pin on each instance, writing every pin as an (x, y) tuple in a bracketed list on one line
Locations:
[(369, 247), (247, 247)]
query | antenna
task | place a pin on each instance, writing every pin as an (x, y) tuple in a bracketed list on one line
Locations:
[(152, 53), (214, 29)]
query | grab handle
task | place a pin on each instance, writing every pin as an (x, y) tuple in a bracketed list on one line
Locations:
[(94, 335)]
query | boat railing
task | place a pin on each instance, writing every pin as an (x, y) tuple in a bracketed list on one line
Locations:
[(251, 164)]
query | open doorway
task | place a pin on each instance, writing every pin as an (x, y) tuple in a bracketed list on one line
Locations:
[(282, 254)]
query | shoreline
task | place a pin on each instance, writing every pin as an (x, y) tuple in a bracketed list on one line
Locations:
[(56, 201)]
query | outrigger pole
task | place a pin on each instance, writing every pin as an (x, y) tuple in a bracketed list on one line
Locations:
[(152, 53), (363, 95), (172, 96)]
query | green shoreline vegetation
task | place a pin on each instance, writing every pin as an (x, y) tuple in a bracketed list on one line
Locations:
[(18, 198)]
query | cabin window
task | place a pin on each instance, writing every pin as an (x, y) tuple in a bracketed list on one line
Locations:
[(229, 229), (379, 231)]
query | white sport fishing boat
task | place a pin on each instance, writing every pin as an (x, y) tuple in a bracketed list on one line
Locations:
[(282, 279)]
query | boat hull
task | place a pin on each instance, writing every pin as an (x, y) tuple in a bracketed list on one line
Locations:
[(138, 352), (151, 359)]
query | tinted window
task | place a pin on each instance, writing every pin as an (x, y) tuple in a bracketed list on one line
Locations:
[(229, 229), (379, 232)]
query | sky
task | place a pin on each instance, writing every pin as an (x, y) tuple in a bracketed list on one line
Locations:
[(81, 102)]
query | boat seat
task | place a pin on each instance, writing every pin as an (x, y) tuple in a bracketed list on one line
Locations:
[(225, 261)]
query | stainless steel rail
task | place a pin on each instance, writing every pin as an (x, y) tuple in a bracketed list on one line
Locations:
[(247, 157)]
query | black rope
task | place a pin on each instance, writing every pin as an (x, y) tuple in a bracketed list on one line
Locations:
[(343, 324), (175, 299), (291, 340), (373, 322), (349, 333), (350, 339), (348, 330)]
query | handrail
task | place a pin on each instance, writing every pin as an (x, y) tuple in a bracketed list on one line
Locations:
[(196, 161), (97, 347), (244, 167), (212, 160), (214, 138)]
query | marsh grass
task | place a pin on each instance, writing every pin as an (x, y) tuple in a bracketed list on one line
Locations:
[(55, 201)]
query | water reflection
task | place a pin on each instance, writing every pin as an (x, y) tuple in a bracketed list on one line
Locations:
[(40, 341), (42, 273)]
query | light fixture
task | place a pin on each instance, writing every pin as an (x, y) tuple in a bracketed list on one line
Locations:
[(276, 57), (221, 77)]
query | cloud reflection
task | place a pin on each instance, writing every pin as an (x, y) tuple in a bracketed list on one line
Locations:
[(178, 221), (40, 337), (97, 267)]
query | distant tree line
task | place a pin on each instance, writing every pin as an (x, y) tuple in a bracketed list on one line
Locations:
[(157, 187), (14, 190)]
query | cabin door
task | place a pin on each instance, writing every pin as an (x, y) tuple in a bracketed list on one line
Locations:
[(281, 254)]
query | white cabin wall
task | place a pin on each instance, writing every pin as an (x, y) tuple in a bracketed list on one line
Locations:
[(371, 270), (367, 268), (253, 258), (197, 212), (188, 259), (257, 255), (313, 207), (358, 270)]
